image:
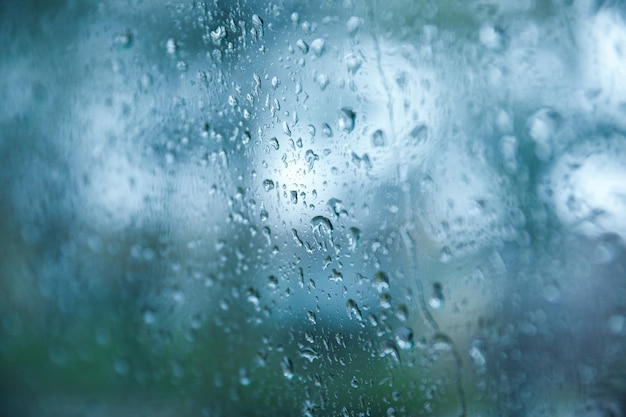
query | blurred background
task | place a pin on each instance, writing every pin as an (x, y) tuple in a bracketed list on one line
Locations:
[(333, 208)]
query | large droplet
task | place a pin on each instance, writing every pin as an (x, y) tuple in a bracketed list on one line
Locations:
[(378, 138), (380, 281), (317, 46), (287, 368), (346, 119), (436, 300), (353, 310), (268, 185), (309, 354), (388, 348), (404, 338), (322, 223)]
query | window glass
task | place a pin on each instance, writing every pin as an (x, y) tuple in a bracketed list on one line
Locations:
[(326, 208)]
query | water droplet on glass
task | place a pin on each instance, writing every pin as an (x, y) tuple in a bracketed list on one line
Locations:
[(378, 138), (252, 295), (124, 39), (346, 119), (310, 157), (322, 81), (353, 310), (336, 276), (272, 282), (385, 300), (402, 312), (353, 63), (389, 348), (274, 143), (287, 367), (312, 317), (380, 281), (309, 354), (436, 299), (326, 130), (257, 22), (244, 379), (171, 46), (318, 46), (353, 24), (477, 355), (322, 227), (286, 129), (268, 185), (218, 34), (442, 341), (354, 235), (302, 45), (404, 338), (149, 316)]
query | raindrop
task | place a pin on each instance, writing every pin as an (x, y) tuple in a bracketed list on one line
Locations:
[(287, 368), (286, 129), (346, 119), (124, 39), (402, 312), (326, 130), (268, 185), (385, 300), (310, 157), (272, 282), (322, 227), (218, 34), (302, 45), (171, 46), (404, 338), (244, 379), (353, 24), (309, 354), (354, 235), (322, 81), (380, 281), (389, 348), (149, 316), (252, 295), (336, 276), (312, 317), (442, 341), (378, 138), (353, 63), (436, 300), (274, 143), (318, 46), (477, 355), (353, 310), (258, 23)]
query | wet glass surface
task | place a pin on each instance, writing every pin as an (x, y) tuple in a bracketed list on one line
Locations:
[(333, 208)]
